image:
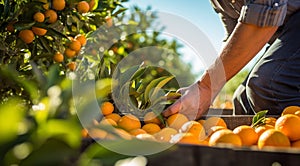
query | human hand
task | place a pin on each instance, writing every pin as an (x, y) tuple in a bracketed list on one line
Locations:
[(195, 100)]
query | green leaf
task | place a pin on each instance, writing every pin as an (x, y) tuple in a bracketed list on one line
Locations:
[(52, 31), (21, 25), (259, 118), (121, 10), (11, 114), (151, 86), (127, 75), (160, 85)]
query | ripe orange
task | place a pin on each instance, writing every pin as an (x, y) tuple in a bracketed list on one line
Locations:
[(75, 45), (136, 132), (83, 7), (72, 66), (213, 121), (247, 134), (97, 133), (10, 27), (273, 137), (165, 134), (91, 4), (109, 21), (296, 144), (58, 57), (176, 120), (108, 122), (270, 121), (146, 137), (185, 138), (70, 53), (259, 130), (52, 15), (290, 110), (289, 124), (107, 108), (201, 121), (150, 117), (81, 38), (114, 116), (39, 17), (195, 128), (39, 31), (225, 136), (84, 133), (129, 122), (151, 128), (58, 4), (120, 133), (26, 35)]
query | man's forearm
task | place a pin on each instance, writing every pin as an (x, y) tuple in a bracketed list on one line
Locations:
[(244, 43)]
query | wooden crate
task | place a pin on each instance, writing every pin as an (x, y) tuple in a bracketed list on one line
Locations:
[(189, 155)]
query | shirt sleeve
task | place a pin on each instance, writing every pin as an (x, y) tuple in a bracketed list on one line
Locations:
[(264, 12)]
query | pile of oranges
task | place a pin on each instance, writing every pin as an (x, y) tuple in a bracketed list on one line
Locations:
[(281, 132)]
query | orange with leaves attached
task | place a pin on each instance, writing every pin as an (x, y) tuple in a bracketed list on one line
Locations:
[(51, 15)]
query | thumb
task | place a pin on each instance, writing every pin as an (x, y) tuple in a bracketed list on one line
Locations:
[(173, 109)]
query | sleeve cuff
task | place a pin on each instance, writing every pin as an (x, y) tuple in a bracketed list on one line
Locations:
[(264, 13)]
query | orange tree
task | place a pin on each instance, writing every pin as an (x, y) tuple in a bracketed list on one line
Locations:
[(36, 34), (41, 43)]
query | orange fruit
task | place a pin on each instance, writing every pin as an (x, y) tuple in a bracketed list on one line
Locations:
[(39, 31), (52, 15), (39, 17), (259, 130), (72, 66), (91, 4), (108, 122), (83, 7), (201, 121), (129, 122), (297, 113), (195, 128), (146, 137), (118, 133), (176, 121), (75, 45), (296, 144), (150, 117), (84, 133), (114, 116), (10, 27), (273, 137), (213, 121), (289, 124), (290, 110), (58, 57), (216, 128), (70, 53), (165, 134), (136, 132), (97, 133), (270, 121), (185, 138), (107, 108), (247, 134), (151, 128), (58, 4), (27, 36), (81, 38), (109, 21), (225, 136)]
